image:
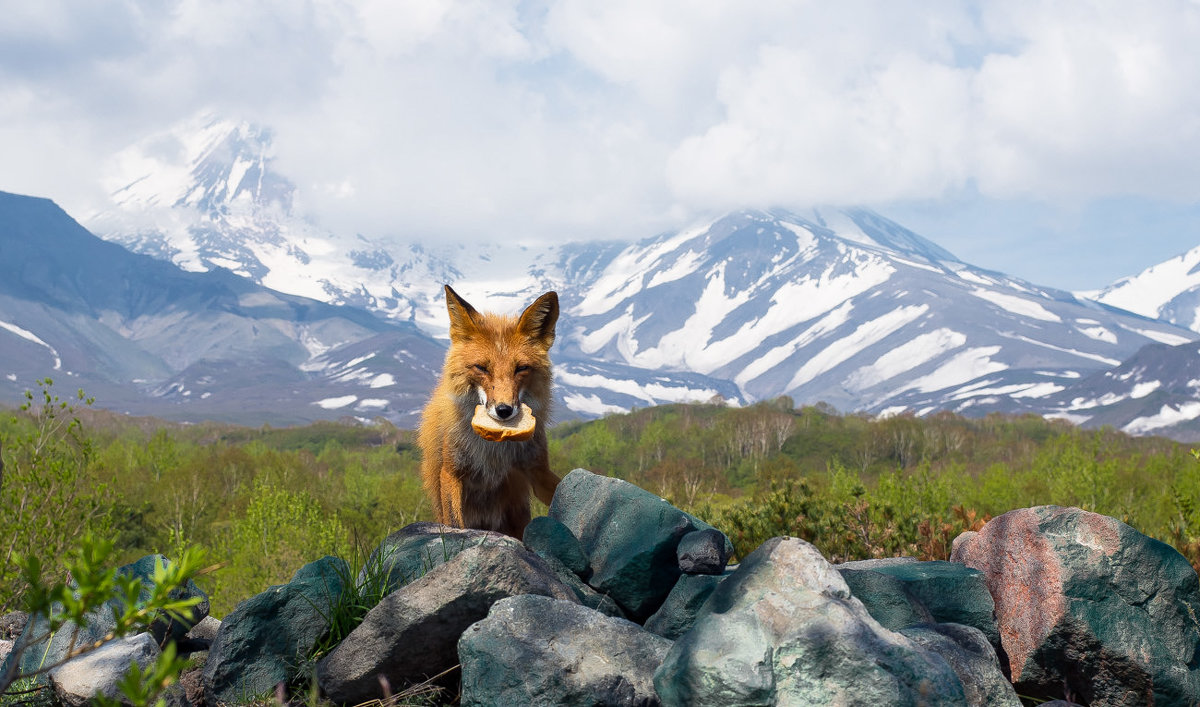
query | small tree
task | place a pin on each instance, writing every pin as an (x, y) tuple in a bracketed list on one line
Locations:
[(66, 605), (45, 496)]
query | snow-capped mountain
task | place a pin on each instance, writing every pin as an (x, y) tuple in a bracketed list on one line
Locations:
[(841, 306), (1169, 290), (1156, 391), (205, 195), (145, 337), (849, 308)]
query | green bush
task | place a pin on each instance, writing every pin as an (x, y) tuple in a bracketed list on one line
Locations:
[(47, 498)]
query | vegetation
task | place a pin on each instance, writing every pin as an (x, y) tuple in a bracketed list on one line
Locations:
[(95, 587), (262, 502)]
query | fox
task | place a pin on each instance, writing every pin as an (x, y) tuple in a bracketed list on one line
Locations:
[(500, 362)]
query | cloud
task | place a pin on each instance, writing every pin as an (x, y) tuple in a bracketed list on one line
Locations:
[(474, 118)]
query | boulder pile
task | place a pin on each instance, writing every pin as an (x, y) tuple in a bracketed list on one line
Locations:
[(618, 598)]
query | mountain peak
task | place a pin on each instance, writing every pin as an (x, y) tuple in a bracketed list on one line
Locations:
[(207, 164)]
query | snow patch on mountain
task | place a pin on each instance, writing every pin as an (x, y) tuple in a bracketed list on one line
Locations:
[(969, 365), (864, 335), (911, 354), (777, 355), (1167, 416), (33, 338), (1020, 306)]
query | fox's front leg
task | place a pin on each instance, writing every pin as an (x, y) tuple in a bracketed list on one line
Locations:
[(451, 505), (544, 482)]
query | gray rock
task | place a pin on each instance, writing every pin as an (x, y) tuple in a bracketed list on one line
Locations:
[(100, 622), (972, 657), (206, 630), (98, 672), (37, 647), (784, 629), (5, 649), (12, 624), (876, 563), (886, 598), (413, 633), (550, 538), (703, 552), (1089, 608), (263, 640), (414, 550), (533, 650), (678, 613), (630, 536)]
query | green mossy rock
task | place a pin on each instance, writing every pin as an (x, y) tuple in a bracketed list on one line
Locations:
[(678, 613), (261, 642), (411, 552), (550, 538), (630, 535)]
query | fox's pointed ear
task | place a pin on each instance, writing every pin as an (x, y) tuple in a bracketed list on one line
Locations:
[(539, 318), (462, 315)]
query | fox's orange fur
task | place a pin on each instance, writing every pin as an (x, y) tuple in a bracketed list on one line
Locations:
[(497, 361)]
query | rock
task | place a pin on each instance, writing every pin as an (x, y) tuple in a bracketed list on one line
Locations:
[(167, 627), (702, 552), (550, 538), (98, 672), (206, 630), (875, 564), (678, 613), (414, 550), (100, 621), (12, 624), (192, 683), (973, 659), (32, 650), (630, 536), (259, 643), (886, 598), (5, 649), (1090, 608), (951, 591), (413, 633), (584, 593), (784, 629), (533, 650)]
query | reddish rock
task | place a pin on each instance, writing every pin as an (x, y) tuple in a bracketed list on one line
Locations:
[(1089, 607)]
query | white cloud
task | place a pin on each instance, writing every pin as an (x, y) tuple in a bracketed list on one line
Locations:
[(509, 118)]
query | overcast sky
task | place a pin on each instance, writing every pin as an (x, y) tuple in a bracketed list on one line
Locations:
[(1057, 141)]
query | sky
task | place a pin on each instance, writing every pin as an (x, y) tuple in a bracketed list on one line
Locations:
[(1055, 141)]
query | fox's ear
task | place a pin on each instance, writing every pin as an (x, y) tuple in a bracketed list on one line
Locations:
[(462, 315), (539, 318)]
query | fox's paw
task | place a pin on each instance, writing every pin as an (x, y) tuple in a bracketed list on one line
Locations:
[(517, 429)]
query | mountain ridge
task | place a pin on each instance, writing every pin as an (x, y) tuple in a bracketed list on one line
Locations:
[(840, 305)]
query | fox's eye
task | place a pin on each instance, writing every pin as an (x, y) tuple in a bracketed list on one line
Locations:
[(522, 369), (480, 368)]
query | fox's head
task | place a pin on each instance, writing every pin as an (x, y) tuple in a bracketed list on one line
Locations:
[(501, 361)]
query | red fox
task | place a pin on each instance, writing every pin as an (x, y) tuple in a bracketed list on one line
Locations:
[(502, 363)]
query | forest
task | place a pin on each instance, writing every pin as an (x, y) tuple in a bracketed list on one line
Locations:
[(264, 501)]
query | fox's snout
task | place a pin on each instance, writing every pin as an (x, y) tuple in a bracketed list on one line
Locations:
[(504, 411)]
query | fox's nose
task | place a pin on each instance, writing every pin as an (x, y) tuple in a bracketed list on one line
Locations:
[(504, 411)]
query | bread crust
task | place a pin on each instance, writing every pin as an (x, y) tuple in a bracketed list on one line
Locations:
[(517, 429)]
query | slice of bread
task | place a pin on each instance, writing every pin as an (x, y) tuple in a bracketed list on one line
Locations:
[(516, 429)]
